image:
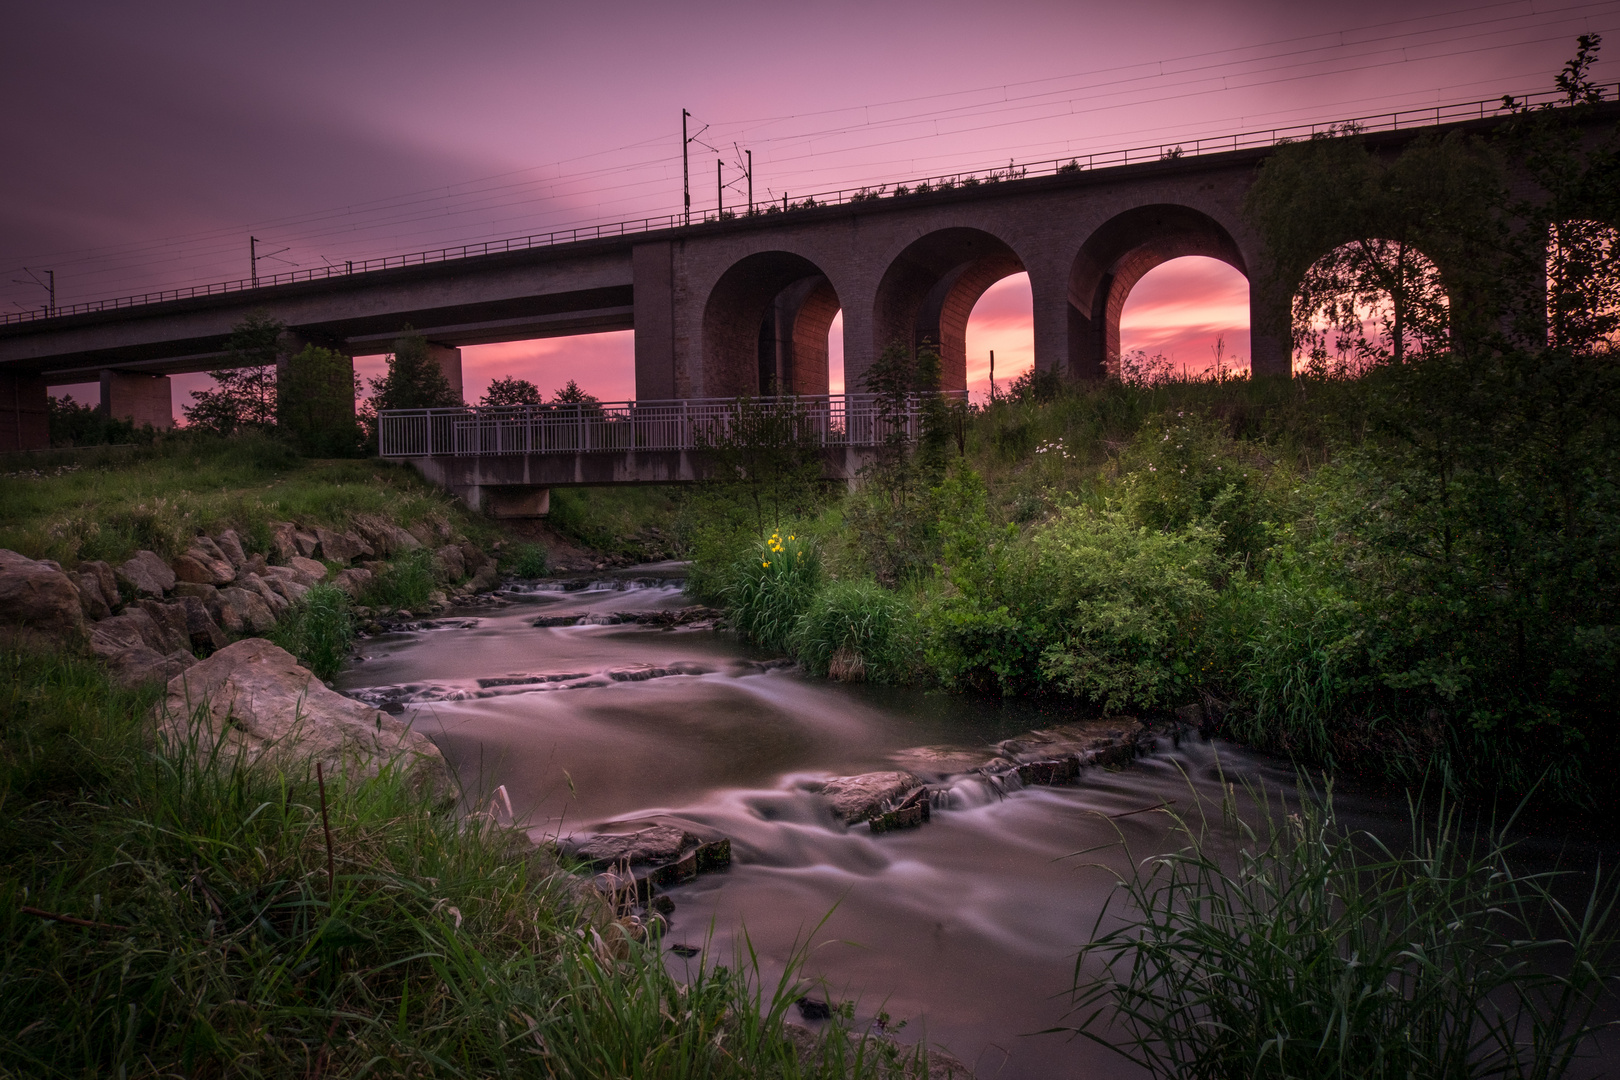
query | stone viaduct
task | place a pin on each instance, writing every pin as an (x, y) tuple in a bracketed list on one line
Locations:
[(724, 307)]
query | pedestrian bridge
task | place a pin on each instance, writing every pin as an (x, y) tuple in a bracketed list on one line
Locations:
[(506, 459)]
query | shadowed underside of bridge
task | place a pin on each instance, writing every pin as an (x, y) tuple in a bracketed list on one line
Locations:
[(726, 308)]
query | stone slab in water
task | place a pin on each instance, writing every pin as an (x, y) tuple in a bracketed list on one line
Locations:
[(856, 799)]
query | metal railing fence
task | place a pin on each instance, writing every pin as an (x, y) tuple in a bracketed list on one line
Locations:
[(1186, 148), (625, 426)]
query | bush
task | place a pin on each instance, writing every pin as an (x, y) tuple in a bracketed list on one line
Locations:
[(1325, 954), (530, 561), (771, 587), (847, 630), (319, 631), (407, 582)]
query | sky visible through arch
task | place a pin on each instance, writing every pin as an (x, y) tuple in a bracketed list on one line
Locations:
[(145, 143)]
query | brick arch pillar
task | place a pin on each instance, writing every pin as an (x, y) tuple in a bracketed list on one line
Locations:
[(793, 337), (754, 311)]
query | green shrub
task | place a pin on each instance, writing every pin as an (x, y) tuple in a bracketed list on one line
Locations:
[(530, 561), (319, 631), (848, 630), (771, 587), (406, 582), (1322, 953)]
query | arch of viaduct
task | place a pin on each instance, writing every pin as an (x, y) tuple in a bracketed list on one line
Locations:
[(729, 308)]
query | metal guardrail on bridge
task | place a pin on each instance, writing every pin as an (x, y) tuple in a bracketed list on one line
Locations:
[(626, 426)]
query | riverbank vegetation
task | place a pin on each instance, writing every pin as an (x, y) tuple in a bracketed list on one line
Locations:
[(168, 910), (1400, 563)]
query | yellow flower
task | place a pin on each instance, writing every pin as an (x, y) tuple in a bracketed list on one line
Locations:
[(766, 565)]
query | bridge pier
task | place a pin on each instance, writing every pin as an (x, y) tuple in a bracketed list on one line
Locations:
[(137, 397), (24, 413), (448, 357)]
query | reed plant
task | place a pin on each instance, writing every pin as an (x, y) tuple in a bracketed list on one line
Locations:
[(319, 631), (166, 909), (1281, 944), (771, 585), (407, 582), (847, 630)]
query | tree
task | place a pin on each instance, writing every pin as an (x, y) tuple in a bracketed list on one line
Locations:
[(316, 405), (511, 391), (573, 395), (244, 396), (414, 379)]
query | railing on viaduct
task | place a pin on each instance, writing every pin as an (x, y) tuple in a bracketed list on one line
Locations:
[(1259, 138), (829, 420)]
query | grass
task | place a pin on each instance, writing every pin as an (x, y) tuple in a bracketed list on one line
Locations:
[(109, 505), (407, 582), (1315, 951), (638, 521), (167, 911), (319, 631), (529, 561)]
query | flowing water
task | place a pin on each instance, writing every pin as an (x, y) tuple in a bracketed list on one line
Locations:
[(966, 928)]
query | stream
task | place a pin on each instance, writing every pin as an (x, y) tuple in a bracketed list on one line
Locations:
[(966, 928)]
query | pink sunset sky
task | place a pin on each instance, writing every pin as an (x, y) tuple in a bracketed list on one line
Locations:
[(146, 143)]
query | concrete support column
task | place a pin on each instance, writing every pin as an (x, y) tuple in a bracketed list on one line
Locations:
[(448, 357), (24, 413), (137, 397), (653, 298)]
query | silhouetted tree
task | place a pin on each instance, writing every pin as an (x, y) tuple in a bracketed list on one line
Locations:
[(511, 391), (414, 379), (316, 405), (244, 396)]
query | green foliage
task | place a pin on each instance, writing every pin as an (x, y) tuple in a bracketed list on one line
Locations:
[(511, 391), (529, 561), (319, 631), (765, 456), (1323, 953), (72, 424), (315, 409), (771, 586), (441, 946), (848, 630), (244, 395), (406, 582), (1185, 469), (414, 379)]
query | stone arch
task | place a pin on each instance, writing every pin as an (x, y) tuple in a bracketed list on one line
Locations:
[(929, 291), (1430, 316), (765, 327), (1115, 257)]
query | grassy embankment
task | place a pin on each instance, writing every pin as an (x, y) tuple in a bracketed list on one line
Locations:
[(168, 912)]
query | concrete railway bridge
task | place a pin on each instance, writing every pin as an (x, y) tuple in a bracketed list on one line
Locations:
[(731, 306)]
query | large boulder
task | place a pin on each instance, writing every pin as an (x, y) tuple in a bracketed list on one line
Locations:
[(286, 581), (277, 603), (342, 547), (307, 543), (385, 538), (231, 545), (309, 571), (204, 564), (450, 563), (282, 545), (254, 698), (147, 575), (106, 579), (91, 600), (353, 582), (135, 648), (39, 606), (249, 609), (858, 798), (205, 633), (174, 634), (220, 610)]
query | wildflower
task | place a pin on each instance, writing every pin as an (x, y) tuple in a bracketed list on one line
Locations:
[(766, 565)]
